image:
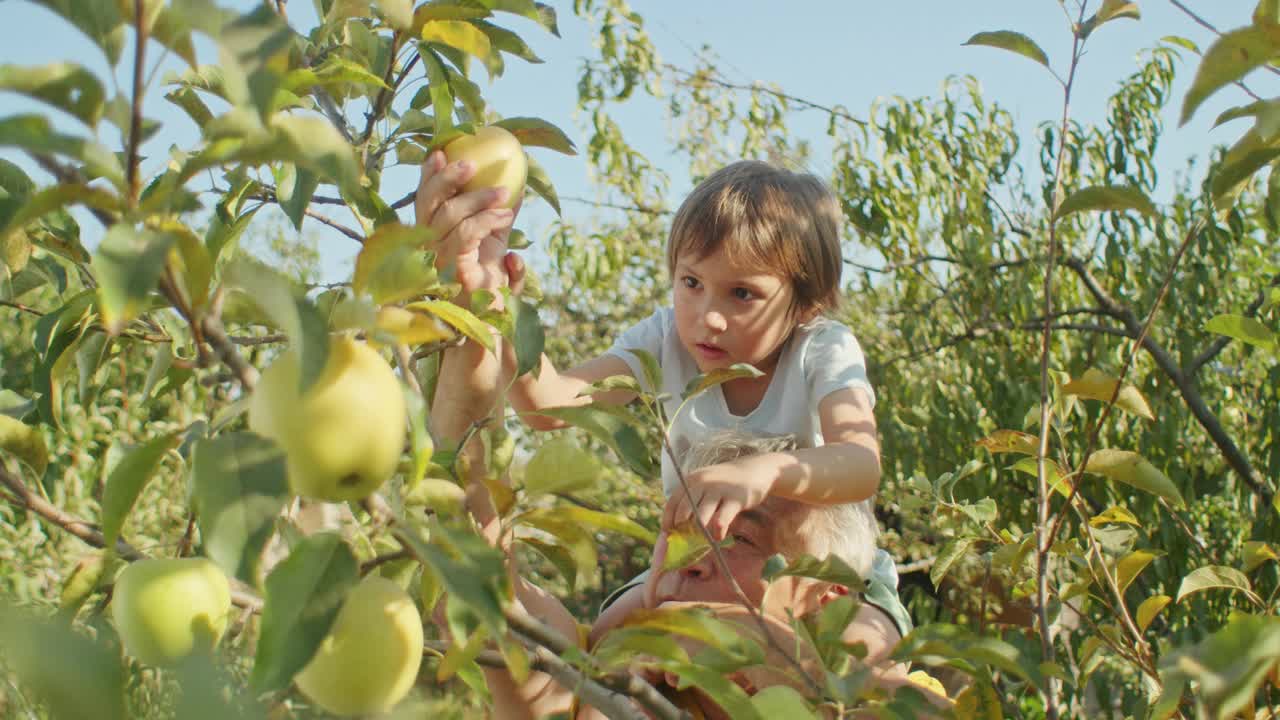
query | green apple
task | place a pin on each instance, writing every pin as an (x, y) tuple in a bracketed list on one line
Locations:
[(369, 660), (343, 437), (499, 159), (165, 609)]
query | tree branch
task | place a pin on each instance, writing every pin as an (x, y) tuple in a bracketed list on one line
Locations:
[(132, 182)]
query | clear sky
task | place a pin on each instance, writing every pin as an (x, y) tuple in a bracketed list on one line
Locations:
[(846, 52)]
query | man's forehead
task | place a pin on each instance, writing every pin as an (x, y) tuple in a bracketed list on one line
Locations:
[(768, 514)]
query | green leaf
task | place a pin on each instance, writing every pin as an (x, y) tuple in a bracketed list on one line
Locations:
[(471, 570), (540, 182), (726, 693), (529, 336), (558, 556), (830, 569), (126, 481), (560, 466), (317, 145), (1181, 42), (100, 21), (1244, 329), (74, 676), (394, 265), (608, 522), (539, 133), (238, 489), (541, 13), (460, 35), (128, 265), (304, 593), (54, 199), (705, 381), (781, 701), (295, 195), (699, 624), (1106, 199), (305, 327), (1256, 554), (613, 431), (398, 13), (1114, 515), (438, 88), (685, 546), (651, 370), (35, 133), (1232, 56), (25, 443), (1132, 469), (504, 40), (1249, 155), (15, 188), (459, 318), (952, 552), (190, 103), (1217, 577), (1013, 42), (1131, 565), (66, 86), (577, 540), (1097, 385), (1229, 666), (1149, 609)]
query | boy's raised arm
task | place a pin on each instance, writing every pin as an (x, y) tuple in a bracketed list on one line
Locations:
[(547, 387)]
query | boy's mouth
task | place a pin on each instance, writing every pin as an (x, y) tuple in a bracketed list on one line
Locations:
[(710, 351)]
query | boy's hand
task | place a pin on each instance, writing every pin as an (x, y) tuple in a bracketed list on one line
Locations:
[(471, 228), (719, 493)]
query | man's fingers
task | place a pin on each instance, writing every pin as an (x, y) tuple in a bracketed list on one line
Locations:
[(433, 188), (515, 273), (460, 208)]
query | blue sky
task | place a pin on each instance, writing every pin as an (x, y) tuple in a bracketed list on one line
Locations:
[(847, 53)]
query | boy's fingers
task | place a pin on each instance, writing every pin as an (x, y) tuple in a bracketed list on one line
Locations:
[(707, 513)]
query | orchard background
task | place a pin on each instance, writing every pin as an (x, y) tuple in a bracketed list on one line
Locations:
[(1073, 339)]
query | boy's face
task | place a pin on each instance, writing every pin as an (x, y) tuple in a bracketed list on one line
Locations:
[(727, 314)]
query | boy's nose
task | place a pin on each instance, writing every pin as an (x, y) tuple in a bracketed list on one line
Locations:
[(714, 320)]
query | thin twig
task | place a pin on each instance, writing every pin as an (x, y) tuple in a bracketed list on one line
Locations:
[(132, 181), (335, 225)]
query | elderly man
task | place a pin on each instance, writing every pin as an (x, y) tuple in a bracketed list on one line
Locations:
[(467, 390)]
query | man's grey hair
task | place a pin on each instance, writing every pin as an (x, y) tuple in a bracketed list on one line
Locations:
[(848, 530)]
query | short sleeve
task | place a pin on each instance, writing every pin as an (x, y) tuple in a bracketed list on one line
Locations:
[(646, 335), (834, 361)]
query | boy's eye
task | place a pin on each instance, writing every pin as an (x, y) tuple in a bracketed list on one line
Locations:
[(689, 281), (742, 293)]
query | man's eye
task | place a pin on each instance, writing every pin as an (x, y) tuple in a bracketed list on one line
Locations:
[(744, 539)]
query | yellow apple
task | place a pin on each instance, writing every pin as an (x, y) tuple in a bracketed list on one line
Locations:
[(344, 436), (168, 608), (499, 159), (370, 658)]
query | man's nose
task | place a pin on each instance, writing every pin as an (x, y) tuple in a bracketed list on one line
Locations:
[(701, 569)]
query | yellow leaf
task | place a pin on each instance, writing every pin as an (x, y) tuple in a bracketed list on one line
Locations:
[(1097, 385), (1150, 608), (1009, 441)]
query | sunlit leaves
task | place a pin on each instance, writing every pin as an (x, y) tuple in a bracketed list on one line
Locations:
[(288, 310), (1110, 10), (66, 86), (1244, 329), (540, 182), (127, 479), (705, 381), (1150, 609), (100, 21), (36, 134), (1132, 469), (613, 431), (1106, 198), (1228, 667), (1013, 42), (1228, 59), (457, 34), (1009, 441), (394, 264), (559, 465), (1131, 565), (411, 327), (128, 265), (76, 676), (538, 132), (304, 593), (830, 569), (461, 319), (24, 442), (1097, 385), (238, 488), (1212, 577), (685, 546), (950, 554), (398, 13)]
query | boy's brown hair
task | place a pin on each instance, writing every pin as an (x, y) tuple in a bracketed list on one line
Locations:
[(767, 217)]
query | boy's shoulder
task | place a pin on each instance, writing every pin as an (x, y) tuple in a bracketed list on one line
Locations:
[(822, 328)]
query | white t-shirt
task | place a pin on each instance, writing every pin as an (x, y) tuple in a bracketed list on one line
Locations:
[(821, 357)]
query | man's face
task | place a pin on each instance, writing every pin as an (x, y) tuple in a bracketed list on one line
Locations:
[(754, 543)]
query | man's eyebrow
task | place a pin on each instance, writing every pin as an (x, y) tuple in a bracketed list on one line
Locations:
[(756, 516)]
